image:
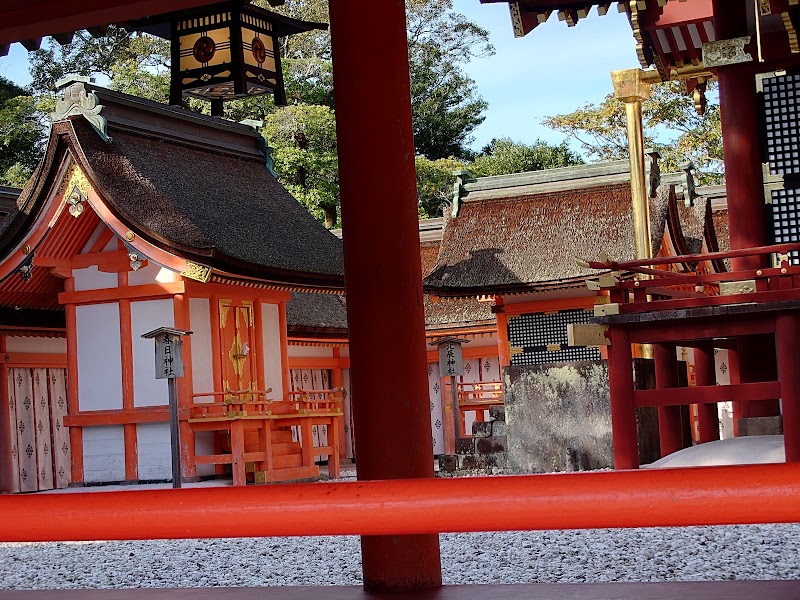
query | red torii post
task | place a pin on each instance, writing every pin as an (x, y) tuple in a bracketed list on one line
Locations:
[(383, 275)]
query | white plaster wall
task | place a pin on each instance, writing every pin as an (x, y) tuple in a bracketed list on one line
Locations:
[(91, 278), (146, 316), (99, 359), (36, 345), (349, 438), (271, 333), (724, 409), (155, 452), (152, 273), (310, 351), (204, 445), (344, 352), (437, 414), (103, 454), (202, 363)]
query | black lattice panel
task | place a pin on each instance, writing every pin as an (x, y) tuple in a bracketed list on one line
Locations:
[(784, 217), (539, 335), (781, 119)]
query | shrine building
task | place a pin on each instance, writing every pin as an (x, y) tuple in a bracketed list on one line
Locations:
[(142, 216)]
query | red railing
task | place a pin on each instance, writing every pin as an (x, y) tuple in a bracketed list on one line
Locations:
[(671, 290), (642, 498)]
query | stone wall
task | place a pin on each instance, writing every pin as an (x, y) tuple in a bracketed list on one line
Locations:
[(558, 417)]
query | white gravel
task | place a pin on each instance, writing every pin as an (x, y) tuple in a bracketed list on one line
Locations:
[(696, 553)]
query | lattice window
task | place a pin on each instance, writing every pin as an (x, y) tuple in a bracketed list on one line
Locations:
[(781, 118), (784, 216), (542, 338)]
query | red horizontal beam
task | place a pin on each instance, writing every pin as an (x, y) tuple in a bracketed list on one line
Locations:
[(674, 330), (154, 414), (647, 498), (32, 359), (134, 292), (708, 394), (688, 258), (751, 298), (24, 20)]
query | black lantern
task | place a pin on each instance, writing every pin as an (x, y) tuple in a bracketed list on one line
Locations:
[(225, 51)]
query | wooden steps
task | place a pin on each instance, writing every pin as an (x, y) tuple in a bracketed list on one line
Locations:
[(287, 474)]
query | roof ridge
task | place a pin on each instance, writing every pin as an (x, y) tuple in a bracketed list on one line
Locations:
[(176, 124)]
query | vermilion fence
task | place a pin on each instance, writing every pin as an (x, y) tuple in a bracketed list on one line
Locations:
[(643, 498)]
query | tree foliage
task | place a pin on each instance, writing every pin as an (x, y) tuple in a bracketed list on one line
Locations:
[(85, 55), (502, 156), (435, 184), (435, 178), (446, 107), (21, 134), (304, 141), (671, 126)]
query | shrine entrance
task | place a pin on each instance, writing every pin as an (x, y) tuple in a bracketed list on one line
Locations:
[(40, 445)]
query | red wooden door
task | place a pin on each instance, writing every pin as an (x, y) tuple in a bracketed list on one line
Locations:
[(237, 335)]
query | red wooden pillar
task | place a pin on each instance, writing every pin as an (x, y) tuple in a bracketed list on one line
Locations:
[(670, 433), (787, 338), (623, 411), (758, 362), (740, 143), (6, 468), (383, 274), (705, 373)]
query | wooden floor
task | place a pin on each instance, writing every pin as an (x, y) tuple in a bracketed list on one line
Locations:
[(703, 590)]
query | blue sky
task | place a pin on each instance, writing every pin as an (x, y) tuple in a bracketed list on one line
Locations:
[(555, 69)]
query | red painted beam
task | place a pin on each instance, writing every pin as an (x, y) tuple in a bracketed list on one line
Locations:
[(639, 498), (686, 332), (32, 19), (756, 297), (742, 392)]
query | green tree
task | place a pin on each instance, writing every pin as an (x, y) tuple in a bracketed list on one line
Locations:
[(84, 55), (504, 156), (435, 184), (142, 69), (21, 134), (303, 138), (446, 107), (671, 126)]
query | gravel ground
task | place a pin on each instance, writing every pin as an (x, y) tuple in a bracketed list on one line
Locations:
[(696, 553)]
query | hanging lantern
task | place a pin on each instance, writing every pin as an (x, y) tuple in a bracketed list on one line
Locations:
[(225, 51)]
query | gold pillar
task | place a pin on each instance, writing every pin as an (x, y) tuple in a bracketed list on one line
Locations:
[(630, 88)]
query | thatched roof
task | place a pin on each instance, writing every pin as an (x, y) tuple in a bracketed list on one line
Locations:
[(195, 186), (522, 233), (315, 315)]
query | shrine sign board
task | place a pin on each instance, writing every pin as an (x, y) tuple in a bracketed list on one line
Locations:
[(169, 351), (451, 359)]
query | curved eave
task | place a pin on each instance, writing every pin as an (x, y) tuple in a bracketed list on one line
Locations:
[(18, 225), (147, 240)]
